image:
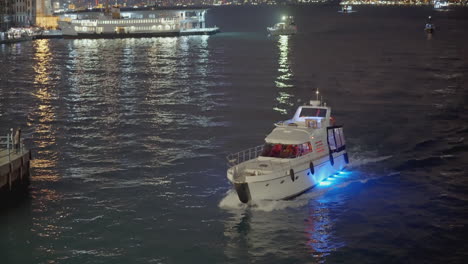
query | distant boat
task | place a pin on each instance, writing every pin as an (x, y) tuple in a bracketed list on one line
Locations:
[(49, 34), (16, 35), (346, 9), (429, 28), (286, 27), (441, 5)]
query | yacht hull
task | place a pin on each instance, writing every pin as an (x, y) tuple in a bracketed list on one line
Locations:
[(289, 184)]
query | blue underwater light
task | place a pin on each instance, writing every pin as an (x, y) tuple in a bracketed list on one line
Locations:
[(325, 183), (329, 181)]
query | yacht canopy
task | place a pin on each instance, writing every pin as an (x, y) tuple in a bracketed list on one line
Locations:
[(292, 136)]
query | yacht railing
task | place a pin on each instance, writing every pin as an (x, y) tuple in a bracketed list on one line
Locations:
[(244, 155)]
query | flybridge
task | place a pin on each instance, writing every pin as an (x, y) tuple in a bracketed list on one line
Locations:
[(314, 115)]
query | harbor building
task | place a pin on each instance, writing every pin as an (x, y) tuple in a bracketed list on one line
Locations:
[(44, 14), (24, 13), (17, 13)]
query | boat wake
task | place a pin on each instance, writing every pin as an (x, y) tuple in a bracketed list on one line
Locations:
[(358, 161)]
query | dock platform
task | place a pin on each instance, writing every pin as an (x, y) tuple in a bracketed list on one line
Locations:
[(14, 168)]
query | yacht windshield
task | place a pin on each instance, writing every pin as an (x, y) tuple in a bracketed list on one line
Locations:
[(286, 151), (316, 112)]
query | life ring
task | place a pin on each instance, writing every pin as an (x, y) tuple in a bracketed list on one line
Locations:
[(311, 166), (291, 173), (332, 121)]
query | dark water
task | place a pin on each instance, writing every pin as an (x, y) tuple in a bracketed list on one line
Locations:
[(130, 137)]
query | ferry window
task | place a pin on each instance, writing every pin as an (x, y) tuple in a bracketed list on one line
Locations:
[(317, 112)]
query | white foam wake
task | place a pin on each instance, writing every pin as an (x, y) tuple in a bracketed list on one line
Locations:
[(360, 161)]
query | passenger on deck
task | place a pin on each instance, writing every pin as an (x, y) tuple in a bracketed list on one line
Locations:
[(288, 152), (295, 151), (17, 140), (276, 150)]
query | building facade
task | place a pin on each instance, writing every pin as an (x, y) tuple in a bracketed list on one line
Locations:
[(6, 14), (17, 13), (24, 13)]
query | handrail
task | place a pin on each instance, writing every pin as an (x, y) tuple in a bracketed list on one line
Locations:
[(6, 144), (244, 155)]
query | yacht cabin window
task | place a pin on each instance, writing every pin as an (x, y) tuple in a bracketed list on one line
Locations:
[(286, 151), (313, 112), (336, 139)]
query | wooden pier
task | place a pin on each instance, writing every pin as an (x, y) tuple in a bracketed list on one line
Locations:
[(14, 168)]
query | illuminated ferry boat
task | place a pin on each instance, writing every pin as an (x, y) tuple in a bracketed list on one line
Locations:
[(297, 155), (135, 23), (286, 27)]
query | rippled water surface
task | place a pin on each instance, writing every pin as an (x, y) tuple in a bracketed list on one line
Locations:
[(130, 137)]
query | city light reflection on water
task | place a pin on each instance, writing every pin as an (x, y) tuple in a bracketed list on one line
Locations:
[(284, 99), (42, 119), (44, 114)]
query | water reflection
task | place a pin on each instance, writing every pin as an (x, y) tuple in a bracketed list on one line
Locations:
[(429, 36), (42, 119), (285, 98), (320, 228), (133, 92), (256, 235), (42, 57)]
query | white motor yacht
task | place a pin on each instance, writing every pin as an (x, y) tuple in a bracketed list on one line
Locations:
[(297, 155), (286, 27)]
